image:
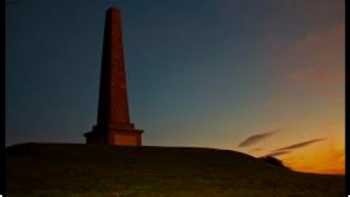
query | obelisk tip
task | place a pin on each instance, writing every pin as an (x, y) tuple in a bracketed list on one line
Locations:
[(113, 9)]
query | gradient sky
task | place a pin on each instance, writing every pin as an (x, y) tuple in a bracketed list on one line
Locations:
[(200, 73)]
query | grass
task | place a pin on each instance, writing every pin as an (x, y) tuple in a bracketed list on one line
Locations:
[(77, 170)]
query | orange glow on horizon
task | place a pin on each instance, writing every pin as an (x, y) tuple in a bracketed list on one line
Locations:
[(326, 158), (323, 157)]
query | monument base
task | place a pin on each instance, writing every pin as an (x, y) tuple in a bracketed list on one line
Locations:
[(114, 136)]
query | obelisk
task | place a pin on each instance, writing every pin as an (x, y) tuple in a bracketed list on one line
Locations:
[(113, 121)]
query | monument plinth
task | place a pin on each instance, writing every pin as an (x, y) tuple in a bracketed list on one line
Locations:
[(113, 121)]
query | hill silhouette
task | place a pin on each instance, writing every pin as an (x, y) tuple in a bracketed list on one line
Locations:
[(274, 161), (103, 170)]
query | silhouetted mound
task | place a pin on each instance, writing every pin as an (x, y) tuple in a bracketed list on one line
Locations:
[(273, 161), (102, 170)]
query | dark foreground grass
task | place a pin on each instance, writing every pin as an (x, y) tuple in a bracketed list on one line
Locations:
[(100, 170)]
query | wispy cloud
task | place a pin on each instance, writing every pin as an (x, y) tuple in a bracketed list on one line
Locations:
[(289, 149), (299, 145), (321, 55), (257, 138), (256, 149), (277, 153)]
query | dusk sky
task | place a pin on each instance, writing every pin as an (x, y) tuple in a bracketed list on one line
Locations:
[(260, 77)]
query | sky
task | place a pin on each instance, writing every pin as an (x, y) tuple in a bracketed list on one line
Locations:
[(259, 77)]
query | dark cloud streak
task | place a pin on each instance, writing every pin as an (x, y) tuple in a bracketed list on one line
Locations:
[(256, 138), (288, 149), (277, 153), (299, 145)]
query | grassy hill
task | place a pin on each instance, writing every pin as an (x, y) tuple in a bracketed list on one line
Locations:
[(100, 170)]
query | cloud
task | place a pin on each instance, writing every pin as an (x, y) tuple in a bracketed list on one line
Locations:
[(256, 138), (314, 62), (326, 161), (299, 145), (277, 153), (319, 59), (256, 149), (288, 149)]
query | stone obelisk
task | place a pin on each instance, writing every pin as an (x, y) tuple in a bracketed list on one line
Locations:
[(113, 121)]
